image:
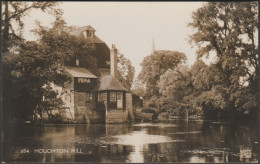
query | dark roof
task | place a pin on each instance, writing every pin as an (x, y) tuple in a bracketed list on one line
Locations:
[(78, 30), (100, 72), (79, 72), (95, 39), (109, 82)]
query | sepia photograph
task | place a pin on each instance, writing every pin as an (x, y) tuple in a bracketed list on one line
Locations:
[(129, 82)]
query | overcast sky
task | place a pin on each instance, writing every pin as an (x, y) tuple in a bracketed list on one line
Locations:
[(131, 26)]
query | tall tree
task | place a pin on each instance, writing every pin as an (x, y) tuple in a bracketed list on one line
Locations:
[(14, 47), (229, 31), (156, 64), (12, 19)]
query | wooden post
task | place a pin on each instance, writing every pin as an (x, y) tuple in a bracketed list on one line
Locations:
[(106, 105), (187, 115)]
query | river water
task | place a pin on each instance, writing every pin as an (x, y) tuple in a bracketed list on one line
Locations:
[(168, 141)]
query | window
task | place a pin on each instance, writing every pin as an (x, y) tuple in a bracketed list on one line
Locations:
[(89, 97), (77, 62), (112, 96), (119, 100), (102, 97)]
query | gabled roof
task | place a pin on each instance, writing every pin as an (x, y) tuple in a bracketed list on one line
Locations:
[(109, 82), (79, 72)]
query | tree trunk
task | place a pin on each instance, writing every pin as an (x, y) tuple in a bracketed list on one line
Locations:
[(5, 34)]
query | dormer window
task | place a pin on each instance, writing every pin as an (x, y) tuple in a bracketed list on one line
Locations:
[(88, 34), (88, 31)]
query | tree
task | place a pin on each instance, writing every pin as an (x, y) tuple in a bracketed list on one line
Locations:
[(32, 66), (25, 73), (13, 14), (126, 69), (14, 48), (175, 87), (156, 64), (204, 81), (228, 30)]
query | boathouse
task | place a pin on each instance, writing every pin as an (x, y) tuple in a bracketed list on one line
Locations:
[(96, 92)]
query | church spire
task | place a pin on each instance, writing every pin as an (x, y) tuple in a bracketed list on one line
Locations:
[(153, 46)]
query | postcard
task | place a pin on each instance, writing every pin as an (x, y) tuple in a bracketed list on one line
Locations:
[(129, 82)]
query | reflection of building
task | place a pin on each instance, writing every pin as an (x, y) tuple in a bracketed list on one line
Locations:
[(97, 92)]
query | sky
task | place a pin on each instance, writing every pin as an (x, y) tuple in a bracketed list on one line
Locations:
[(131, 26)]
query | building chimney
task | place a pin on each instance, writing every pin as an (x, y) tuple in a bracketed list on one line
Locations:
[(113, 61)]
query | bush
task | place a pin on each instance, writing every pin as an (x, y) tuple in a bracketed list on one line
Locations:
[(151, 111)]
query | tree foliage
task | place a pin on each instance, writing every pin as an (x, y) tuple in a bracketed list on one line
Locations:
[(229, 31), (175, 86), (12, 19), (156, 64), (33, 66), (20, 59), (138, 87), (126, 69)]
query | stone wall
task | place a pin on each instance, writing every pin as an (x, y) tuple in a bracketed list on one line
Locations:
[(85, 111), (116, 116)]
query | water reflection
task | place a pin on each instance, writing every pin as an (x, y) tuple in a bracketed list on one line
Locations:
[(140, 139), (172, 141)]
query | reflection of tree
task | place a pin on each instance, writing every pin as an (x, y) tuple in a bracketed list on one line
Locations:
[(215, 138), (100, 143)]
